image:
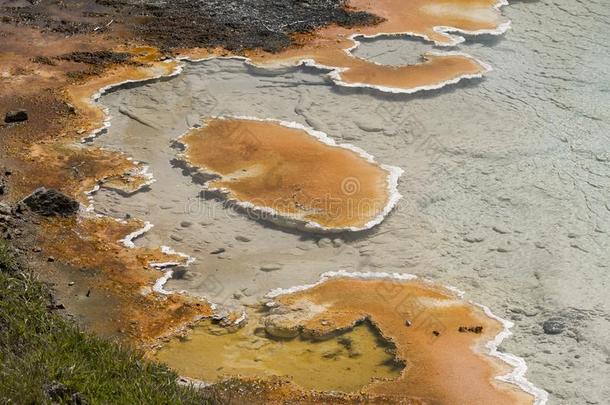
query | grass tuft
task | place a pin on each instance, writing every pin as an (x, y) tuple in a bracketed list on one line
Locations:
[(45, 358)]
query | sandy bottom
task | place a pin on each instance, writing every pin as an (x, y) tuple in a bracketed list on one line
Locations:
[(344, 363), (506, 185)]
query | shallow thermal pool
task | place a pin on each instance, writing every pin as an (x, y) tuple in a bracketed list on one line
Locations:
[(506, 185), (343, 363)]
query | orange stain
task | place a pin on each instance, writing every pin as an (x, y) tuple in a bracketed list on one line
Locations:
[(330, 46), (123, 275), (271, 165), (445, 363)]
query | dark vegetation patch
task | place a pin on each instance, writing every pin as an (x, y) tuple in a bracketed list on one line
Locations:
[(43, 60), (36, 16), (45, 358), (232, 24), (98, 58)]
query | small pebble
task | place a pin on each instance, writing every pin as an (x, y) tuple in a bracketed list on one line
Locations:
[(324, 242), (270, 267), (553, 326), (175, 237), (500, 229), (474, 238)]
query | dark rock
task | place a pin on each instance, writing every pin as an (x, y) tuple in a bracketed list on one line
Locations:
[(101, 58), (16, 116), (470, 329), (553, 326), (77, 399), (345, 342), (179, 272), (218, 251), (49, 202), (56, 391)]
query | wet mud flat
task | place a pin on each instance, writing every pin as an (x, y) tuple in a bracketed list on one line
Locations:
[(507, 258)]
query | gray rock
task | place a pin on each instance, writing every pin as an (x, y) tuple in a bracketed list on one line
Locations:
[(56, 390), (324, 242), (368, 126), (500, 229), (5, 209), (277, 330), (474, 238), (270, 267)]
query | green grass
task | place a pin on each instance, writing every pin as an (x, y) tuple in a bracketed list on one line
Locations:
[(40, 349)]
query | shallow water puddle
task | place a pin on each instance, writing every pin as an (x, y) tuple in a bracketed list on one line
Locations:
[(445, 341), (445, 344), (343, 363)]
